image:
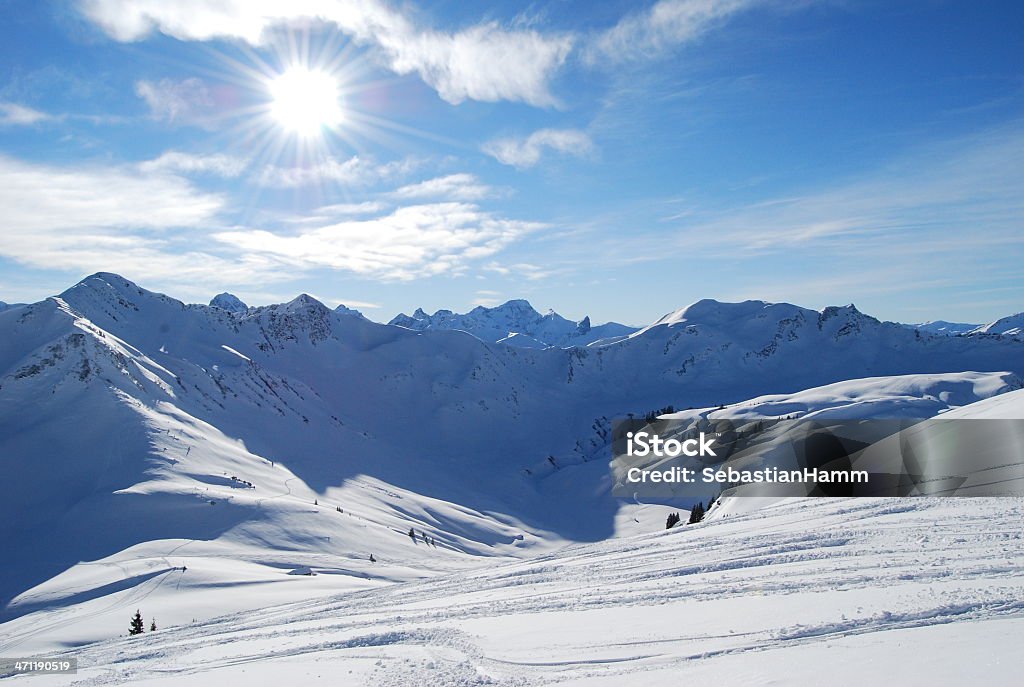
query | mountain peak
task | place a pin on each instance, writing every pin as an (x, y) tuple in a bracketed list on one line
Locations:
[(106, 280), (229, 302), (343, 309), (711, 311), (304, 302), (516, 304)]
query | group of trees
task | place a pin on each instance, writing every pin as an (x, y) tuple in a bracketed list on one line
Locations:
[(137, 626), (697, 514), (652, 415)]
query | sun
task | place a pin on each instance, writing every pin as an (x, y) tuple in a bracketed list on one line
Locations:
[(306, 101)]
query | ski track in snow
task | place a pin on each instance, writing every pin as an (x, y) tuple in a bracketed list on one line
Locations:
[(785, 578)]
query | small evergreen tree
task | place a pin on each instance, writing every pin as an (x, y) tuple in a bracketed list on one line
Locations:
[(672, 520), (137, 627), (152, 626), (697, 513)]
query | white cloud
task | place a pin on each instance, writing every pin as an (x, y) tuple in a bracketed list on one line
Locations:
[(148, 222), (355, 171), (487, 299), (414, 241), (451, 187), (117, 218), (217, 164), (484, 62), (521, 269), (663, 26), (526, 152), (182, 102), (42, 198), (12, 114)]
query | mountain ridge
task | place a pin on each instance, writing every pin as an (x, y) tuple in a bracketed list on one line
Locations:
[(515, 318)]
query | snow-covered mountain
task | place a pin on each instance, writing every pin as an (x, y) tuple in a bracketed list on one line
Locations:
[(228, 302), (515, 323), (1012, 326), (146, 435), (944, 327)]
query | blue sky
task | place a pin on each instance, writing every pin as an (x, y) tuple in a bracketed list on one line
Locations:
[(616, 159)]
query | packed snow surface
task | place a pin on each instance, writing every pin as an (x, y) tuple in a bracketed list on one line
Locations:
[(813, 591)]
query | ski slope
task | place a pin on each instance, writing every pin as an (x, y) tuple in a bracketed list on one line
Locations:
[(813, 591)]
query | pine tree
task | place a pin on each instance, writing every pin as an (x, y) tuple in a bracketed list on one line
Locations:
[(137, 627), (697, 513), (152, 626), (671, 521)]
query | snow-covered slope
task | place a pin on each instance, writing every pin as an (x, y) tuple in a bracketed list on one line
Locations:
[(943, 327), (902, 396), (811, 592), (1009, 406), (1012, 326), (515, 323)]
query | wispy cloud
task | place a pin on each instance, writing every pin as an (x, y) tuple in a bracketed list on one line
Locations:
[(524, 270), (120, 218), (486, 62), (451, 187), (43, 198), (217, 164), (969, 191), (526, 152), (13, 114), (667, 24), (355, 171), (178, 102), (487, 299), (410, 242)]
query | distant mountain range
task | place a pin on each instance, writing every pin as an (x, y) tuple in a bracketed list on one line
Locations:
[(943, 327), (517, 323), (1010, 326)]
